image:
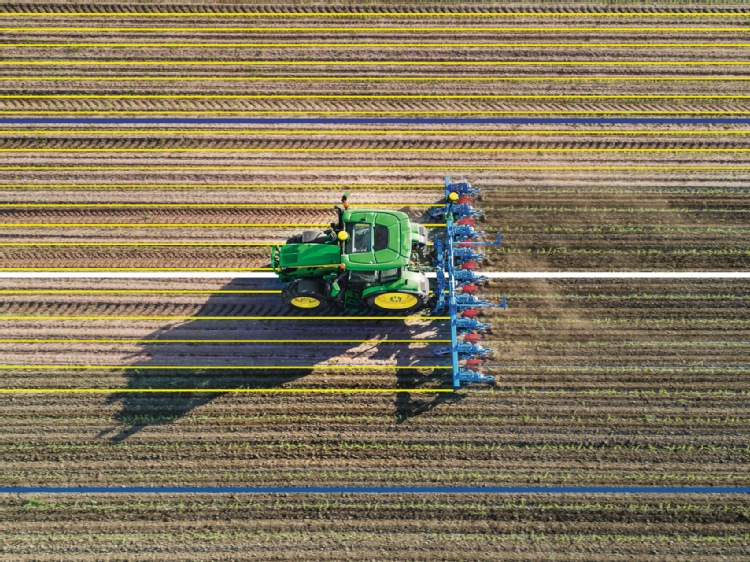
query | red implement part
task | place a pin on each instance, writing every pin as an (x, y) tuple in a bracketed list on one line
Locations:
[(470, 265), (470, 289), (474, 364), (470, 313), (472, 338), (464, 244), (466, 200), (467, 221)]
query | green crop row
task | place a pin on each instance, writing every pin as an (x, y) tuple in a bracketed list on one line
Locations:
[(627, 296), (34, 503), (356, 421), (636, 190), (628, 210), (636, 322), (234, 447), (347, 538), (626, 252), (615, 343), (683, 369), (459, 476), (626, 229)]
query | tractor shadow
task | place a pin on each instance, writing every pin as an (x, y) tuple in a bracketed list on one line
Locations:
[(139, 411)]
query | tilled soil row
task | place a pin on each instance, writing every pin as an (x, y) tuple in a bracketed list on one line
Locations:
[(273, 143), (516, 32), (685, 179), (388, 57), (411, 107), (482, 526), (330, 157), (311, 10)]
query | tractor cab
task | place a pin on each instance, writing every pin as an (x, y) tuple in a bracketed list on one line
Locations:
[(367, 256), (375, 240)]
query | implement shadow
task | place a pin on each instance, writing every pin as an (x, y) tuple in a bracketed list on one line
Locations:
[(139, 410)]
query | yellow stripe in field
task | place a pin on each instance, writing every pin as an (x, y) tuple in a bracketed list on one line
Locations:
[(135, 244), (373, 14), (478, 167), (375, 78), (136, 341), (372, 96), (357, 45), (160, 113), (133, 292), (223, 318), (143, 292), (355, 150), (170, 225), (364, 63), (390, 29), (157, 225), (210, 186), (223, 367), (210, 205), (374, 132), (72, 269), (224, 390)]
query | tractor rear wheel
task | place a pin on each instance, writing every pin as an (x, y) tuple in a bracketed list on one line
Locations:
[(305, 294), (397, 301)]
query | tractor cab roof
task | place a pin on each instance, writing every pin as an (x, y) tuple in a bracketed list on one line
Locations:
[(377, 239)]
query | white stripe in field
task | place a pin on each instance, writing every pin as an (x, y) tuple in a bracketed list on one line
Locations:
[(271, 275)]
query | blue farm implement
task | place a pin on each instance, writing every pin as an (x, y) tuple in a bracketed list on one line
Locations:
[(455, 262), (375, 259)]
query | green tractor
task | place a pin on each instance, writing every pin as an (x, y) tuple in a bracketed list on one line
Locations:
[(368, 256)]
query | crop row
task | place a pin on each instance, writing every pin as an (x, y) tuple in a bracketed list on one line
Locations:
[(336, 504), (460, 475), (629, 296), (298, 539), (625, 229), (634, 252), (258, 447), (357, 421), (631, 322)]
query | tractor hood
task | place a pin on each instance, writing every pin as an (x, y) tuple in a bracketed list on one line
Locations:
[(306, 255)]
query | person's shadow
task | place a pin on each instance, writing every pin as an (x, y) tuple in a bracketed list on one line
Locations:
[(210, 343)]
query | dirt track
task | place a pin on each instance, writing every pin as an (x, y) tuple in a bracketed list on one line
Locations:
[(609, 383)]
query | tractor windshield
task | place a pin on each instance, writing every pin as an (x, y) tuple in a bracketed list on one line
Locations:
[(360, 238)]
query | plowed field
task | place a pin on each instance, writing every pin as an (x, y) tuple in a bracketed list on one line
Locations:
[(599, 383)]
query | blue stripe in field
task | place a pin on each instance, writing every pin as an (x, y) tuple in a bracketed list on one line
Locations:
[(365, 120), (377, 490)]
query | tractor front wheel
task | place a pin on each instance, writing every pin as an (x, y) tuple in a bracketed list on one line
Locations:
[(396, 301), (305, 294)]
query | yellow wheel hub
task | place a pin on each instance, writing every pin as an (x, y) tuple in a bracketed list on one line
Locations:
[(305, 302), (395, 301)]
